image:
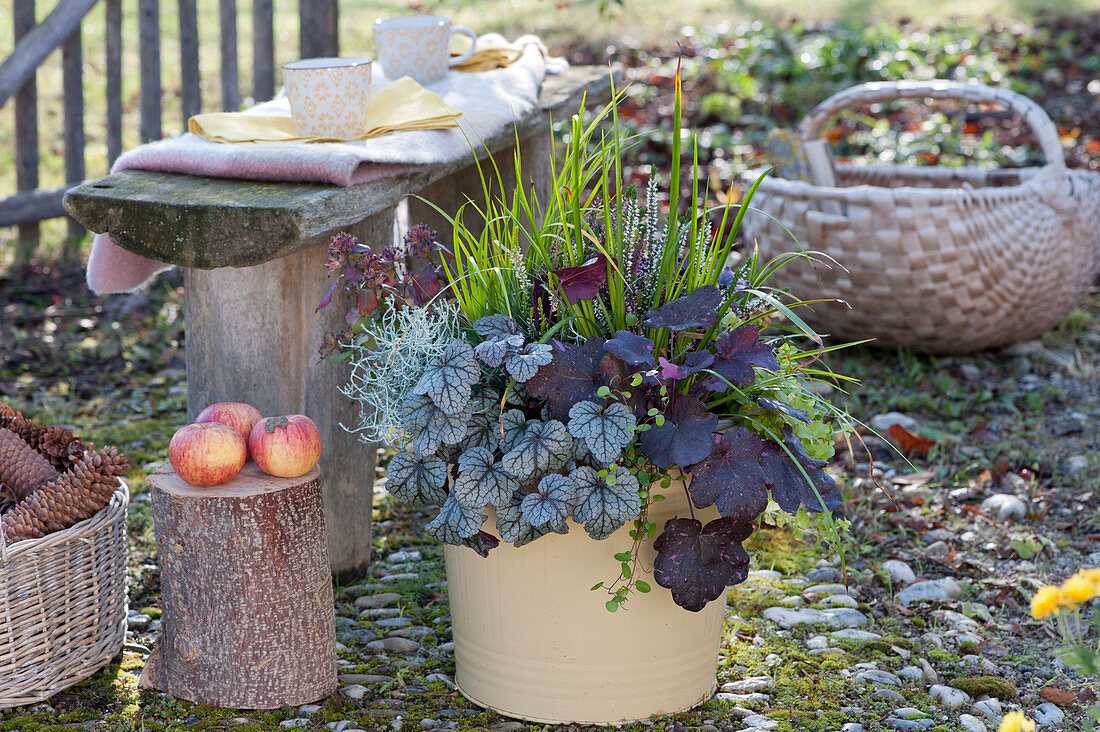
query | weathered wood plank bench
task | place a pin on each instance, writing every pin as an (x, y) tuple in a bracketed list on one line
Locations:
[(254, 255)]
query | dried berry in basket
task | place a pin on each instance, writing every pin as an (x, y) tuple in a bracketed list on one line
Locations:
[(54, 479)]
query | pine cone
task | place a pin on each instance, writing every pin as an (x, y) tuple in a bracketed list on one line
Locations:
[(22, 469), (79, 494)]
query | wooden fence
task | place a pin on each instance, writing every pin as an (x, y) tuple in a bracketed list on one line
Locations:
[(62, 28)]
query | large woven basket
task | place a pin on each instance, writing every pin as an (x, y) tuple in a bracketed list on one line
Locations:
[(937, 259), (62, 605)]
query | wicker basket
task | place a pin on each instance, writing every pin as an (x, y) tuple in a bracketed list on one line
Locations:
[(944, 260), (62, 605)]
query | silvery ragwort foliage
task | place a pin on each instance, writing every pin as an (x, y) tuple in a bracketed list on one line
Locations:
[(388, 359)]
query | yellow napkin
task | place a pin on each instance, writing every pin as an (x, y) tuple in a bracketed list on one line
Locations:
[(398, 106), (491, 53)]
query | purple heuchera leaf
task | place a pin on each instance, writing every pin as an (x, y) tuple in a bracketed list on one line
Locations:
[(788, 485), (697, 309), (731, 477), (583, 282), (572, 376), (631, 349), (684, 438), (775, 405), (736, 354), (698, 562), (482, 542)]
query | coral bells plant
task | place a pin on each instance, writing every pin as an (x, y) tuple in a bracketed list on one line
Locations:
[(567, 368)]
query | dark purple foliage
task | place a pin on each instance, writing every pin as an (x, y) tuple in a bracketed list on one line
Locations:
[(698, 562), (788, 485), (731, 477), (482, 542), (697, 309), (631, 349), (424, 284), (573, 376), (736, 354), (583, 282), (774, 405), (684, 439)]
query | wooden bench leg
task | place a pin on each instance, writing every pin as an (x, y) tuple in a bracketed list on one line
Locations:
[(252, 336)]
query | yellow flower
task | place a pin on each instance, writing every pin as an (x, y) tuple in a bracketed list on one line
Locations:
[(1045, 602), (1015, 721), (1091, 575), (1077, 590)]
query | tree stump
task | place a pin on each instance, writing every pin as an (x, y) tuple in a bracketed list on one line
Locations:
[(246, 592)]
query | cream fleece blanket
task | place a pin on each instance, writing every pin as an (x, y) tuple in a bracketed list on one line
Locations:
[(489, 102)]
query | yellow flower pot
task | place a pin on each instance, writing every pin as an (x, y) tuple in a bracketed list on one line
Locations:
[(533, 641)]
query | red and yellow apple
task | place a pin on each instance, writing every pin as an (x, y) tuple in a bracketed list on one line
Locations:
[(238, 415), (207, 454), (286, 446)]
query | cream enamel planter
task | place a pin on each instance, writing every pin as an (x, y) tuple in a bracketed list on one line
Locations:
[(533, 641)]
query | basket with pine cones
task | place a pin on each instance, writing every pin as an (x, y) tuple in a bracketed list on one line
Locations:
[(63, 556)]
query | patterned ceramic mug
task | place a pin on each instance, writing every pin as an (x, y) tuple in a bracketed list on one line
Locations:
[(328, 96), (418, 46)]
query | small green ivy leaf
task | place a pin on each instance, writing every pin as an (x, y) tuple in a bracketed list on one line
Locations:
[(642, 586)]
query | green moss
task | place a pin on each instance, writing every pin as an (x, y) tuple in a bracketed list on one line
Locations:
[(151, 612), (941, 656), (967, 648), (976, 686)]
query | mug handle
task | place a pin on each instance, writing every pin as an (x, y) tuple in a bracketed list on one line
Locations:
[(473, 44)]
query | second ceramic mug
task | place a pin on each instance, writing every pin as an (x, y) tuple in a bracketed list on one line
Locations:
[(328, 96), (418, 46)]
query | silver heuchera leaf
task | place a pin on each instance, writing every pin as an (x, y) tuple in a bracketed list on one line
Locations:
[(449, 378), (551, 505), (511, 524), (544, 447), (417, 479), (497, 325), (493, 350), (606, 430), (430, 426), (507, 430), (603, 508), (455, 522), (522, 365), (479, 433), (482, 481)]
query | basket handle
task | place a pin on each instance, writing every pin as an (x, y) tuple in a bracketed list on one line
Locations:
[(887, 91)]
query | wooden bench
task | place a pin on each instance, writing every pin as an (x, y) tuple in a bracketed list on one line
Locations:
[(253, 255)]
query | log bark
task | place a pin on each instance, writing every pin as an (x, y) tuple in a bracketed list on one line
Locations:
[(245, 590)]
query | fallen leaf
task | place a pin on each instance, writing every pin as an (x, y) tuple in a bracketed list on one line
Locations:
[(909, 443), (1086, 695), (1061, 697)]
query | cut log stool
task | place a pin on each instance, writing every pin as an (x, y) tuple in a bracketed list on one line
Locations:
[(246, 591)]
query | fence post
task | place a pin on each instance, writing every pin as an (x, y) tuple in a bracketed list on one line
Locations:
[(231, 95), (318, 24), (263, 51), (72, 63), (26, 133), (149, 42)]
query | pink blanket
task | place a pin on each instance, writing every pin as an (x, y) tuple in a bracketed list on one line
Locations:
[(489, 101)]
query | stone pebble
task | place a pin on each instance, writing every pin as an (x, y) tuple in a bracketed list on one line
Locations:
[(749, 685), (949, 697), (1005, 507), (393, 645), (1049, 715), (376, 601), (840, 617), (941, 590), (972, 724), (875, 676), (900, 572)]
